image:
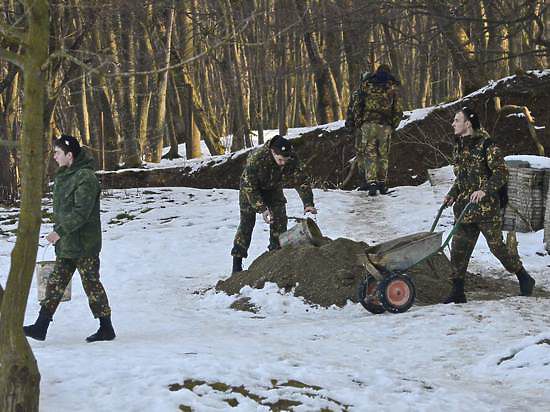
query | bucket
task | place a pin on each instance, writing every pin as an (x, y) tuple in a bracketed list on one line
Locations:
[(43, 271), (306, 231)]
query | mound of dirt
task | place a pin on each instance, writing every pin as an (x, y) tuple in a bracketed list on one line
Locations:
[(330, 275)]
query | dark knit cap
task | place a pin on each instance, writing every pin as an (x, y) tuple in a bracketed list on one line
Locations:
[(281, 146), (68, 144)]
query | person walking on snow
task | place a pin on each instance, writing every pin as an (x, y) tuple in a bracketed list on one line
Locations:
[(373, 113), (77, 239), (480, 173)]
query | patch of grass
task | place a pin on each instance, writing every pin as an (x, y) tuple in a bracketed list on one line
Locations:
[(297, 384), (232, 402), (124, 215), (279, 405)]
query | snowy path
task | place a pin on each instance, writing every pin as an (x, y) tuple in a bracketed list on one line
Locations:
[(174, 242)]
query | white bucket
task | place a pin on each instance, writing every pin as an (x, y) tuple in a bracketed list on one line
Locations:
[(43, 271), (306, 231)]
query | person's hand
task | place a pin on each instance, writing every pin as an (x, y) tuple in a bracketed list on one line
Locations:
[(349, 124), (477, 196), (310, 209), (448, 200), (268, 216), (52, 237)]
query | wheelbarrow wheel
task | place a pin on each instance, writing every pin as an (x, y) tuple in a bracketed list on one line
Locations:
[(366, 294), (396, 293)]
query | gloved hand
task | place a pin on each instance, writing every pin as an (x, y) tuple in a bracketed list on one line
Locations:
[(349, 124)]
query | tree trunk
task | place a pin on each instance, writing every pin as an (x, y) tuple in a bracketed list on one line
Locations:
[(473, 75), (160, 130), (328, 106), (19, 376), (280, 56), (192, 135)]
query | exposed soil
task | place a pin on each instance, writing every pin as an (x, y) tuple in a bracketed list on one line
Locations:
[(330, 274), (422, 144)]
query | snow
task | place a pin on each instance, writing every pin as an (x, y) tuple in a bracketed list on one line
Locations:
[(178, 243), (535, 162)]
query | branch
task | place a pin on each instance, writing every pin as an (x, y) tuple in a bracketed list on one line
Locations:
[(12, 57), (224, 40), (12, 35)]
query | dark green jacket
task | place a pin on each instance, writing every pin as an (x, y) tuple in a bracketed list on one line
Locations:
[(76, 209), (476, 170), (262, 180)]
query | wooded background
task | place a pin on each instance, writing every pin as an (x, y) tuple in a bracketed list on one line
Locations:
[(129, 77)]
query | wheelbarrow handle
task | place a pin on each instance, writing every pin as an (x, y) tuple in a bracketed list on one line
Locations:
[(443, 206), (457, 224)]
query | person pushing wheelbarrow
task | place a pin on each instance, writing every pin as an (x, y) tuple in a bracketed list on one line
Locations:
[(481, 178)]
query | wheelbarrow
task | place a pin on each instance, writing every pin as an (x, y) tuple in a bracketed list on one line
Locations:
[(386, 286)]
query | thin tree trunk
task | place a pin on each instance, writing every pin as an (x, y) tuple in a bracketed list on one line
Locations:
[(19, 376), (160, 130), (280, 58)]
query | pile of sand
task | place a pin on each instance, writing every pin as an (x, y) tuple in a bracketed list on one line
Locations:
[(330, 274)]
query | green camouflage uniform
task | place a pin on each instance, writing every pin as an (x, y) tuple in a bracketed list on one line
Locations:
[(261, 188), (374, 111), (475, 171), (76, 220)]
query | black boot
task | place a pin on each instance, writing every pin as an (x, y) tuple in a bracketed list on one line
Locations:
[(373, 187), (237, 264), (526, 283), (40, 328), (382, 188), (105, 331), (457, 293)]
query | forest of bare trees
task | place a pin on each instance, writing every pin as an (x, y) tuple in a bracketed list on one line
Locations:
[(129, 77)]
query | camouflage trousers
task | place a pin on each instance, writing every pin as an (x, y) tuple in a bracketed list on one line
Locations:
[(465, 239), (88, 267), (247, 222), (372, 145)]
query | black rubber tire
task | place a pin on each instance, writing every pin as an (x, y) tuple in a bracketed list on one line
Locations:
[(370, 303), (404, 285)]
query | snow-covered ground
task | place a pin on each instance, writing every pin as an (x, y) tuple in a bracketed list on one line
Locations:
[(169, 243)]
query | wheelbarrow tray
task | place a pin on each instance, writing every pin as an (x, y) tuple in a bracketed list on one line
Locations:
[(406, 251)]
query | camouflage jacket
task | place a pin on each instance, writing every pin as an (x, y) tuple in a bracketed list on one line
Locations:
[(476, 170), (262, 180), (376, 104), (76, 209)]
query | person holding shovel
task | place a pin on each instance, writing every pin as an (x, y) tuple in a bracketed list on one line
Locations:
[(481, 174), (77, 239), (261, 191)]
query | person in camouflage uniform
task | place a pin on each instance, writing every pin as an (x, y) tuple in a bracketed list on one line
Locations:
[(480, 173), (373, 113), (261, 191), (77, 239)]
